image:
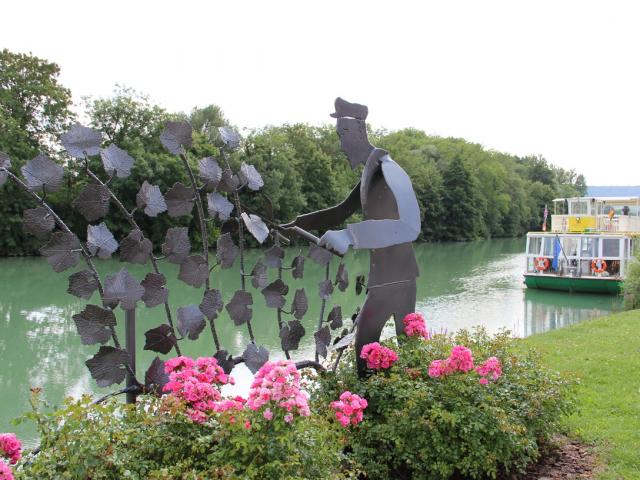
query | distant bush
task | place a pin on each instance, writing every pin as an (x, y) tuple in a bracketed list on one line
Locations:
[(435, 415), (631, 285)]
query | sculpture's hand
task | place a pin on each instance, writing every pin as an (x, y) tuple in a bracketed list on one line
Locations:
[(336, 240)]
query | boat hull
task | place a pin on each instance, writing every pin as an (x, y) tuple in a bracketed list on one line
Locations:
[(574, 284)]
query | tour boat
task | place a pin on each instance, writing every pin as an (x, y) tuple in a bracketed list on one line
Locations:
[(588, 247)]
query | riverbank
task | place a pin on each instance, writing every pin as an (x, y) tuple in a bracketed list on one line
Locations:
[(604, 354)]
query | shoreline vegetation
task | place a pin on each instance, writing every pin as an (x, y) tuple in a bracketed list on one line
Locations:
[(603, 355), (464, 190)]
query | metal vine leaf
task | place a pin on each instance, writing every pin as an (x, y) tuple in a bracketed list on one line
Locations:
[(273, 257), (175, 136), (256, 226), (345, 341), (150, 198), (108, 366), (82, 284), (360, 282), (335, 317), (255, 357), (116, 161), (259, 275), (135, 248), (226, 250), (225, 361), (155, 377), (238, 307), (210, 171), (190, 321), (342, 277), (160, 339), (230, 138), (81, 142), (230, 226), (179, 199), (229, 182), (123, 288), (93, 202), (325, 289), (319, 255), (5, 163), (212, 303), (274, 294), (297, 267), (194, 271), (38, 221), (42, 172), (100, 241), (291, 334), (300, 304), (219, 206), (323, 339), (176, 244), (251, 177), (155, 289), (62, 251), (94, 324)]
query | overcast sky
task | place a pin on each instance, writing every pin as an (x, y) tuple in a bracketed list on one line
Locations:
[(556, 78)]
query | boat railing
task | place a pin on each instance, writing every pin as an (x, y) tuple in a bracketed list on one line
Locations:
[(594, 223)]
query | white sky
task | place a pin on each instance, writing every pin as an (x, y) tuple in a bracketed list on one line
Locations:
[(558, 78)]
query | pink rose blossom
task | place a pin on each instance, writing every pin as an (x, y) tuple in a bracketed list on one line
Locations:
[(438, 368), (11, 447), (461, 359), (349, 408), (490, 368), (247, 424), (5, 471), (377, 356), (268, 414), (288, 418), (414, 325)]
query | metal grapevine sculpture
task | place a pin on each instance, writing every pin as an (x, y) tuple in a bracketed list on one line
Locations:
[(391, 223), (217, 184)]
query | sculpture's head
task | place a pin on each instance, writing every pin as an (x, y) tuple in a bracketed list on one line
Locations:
[(352, 130)]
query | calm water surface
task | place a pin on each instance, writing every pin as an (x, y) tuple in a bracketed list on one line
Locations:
[(461, 285)]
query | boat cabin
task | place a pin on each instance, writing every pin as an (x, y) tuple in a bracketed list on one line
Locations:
[(596, 214)]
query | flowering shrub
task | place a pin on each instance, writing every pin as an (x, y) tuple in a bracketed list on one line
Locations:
[(349, 408), (196, 383), (277, 385), (5, 471), (377, 356), (414, 325), (429, 416), (11, 449)]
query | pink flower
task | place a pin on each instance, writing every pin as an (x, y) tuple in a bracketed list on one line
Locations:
[(377, 356), (438, 368), (247, 424), (414, 325), (288, 418), (349, 408), (490, 368), (11, 447), (268, 414), (460, 359), (5, 472)]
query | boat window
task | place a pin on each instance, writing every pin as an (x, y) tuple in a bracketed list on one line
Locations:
[(610, 247), (548, 246), (570, 246), (579, 208), (589, 247), (534, 245)]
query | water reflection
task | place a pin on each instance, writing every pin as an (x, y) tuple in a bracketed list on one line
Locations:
[(460, 285)]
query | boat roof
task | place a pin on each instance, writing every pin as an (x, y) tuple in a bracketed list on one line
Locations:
[(602, 199)]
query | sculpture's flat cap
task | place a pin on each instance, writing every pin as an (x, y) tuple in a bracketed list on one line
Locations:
[(347, 109)]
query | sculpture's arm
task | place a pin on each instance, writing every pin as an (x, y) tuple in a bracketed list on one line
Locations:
[(384, 233), (329, 217)]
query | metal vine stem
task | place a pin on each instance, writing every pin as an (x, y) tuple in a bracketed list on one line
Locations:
[(203, 234), (238, 206), (323, 306), (280, 324), (85, 254), (129, 216)]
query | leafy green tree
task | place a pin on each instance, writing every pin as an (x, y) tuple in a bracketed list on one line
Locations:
[(461, 203), (34, 111)]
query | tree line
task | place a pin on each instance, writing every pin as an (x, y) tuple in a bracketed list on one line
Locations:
[(465, 191)]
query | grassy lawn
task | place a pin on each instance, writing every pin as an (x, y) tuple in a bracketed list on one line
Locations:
[(605, 355)]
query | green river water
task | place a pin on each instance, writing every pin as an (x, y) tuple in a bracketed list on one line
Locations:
[(461, 285)]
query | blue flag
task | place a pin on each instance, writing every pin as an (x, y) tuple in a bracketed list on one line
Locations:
[(557, 248)]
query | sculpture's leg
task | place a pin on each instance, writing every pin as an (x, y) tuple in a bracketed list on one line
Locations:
[(405, 302), (382, 303)]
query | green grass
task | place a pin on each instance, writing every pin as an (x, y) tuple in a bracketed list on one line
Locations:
[(605, 356)]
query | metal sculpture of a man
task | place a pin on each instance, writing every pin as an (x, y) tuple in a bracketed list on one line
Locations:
[(391, 223)]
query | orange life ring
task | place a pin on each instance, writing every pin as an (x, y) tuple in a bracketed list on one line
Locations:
[(541, 264), (598, 265)]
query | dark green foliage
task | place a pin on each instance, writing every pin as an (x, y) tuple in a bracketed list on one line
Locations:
[(451, 427)]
